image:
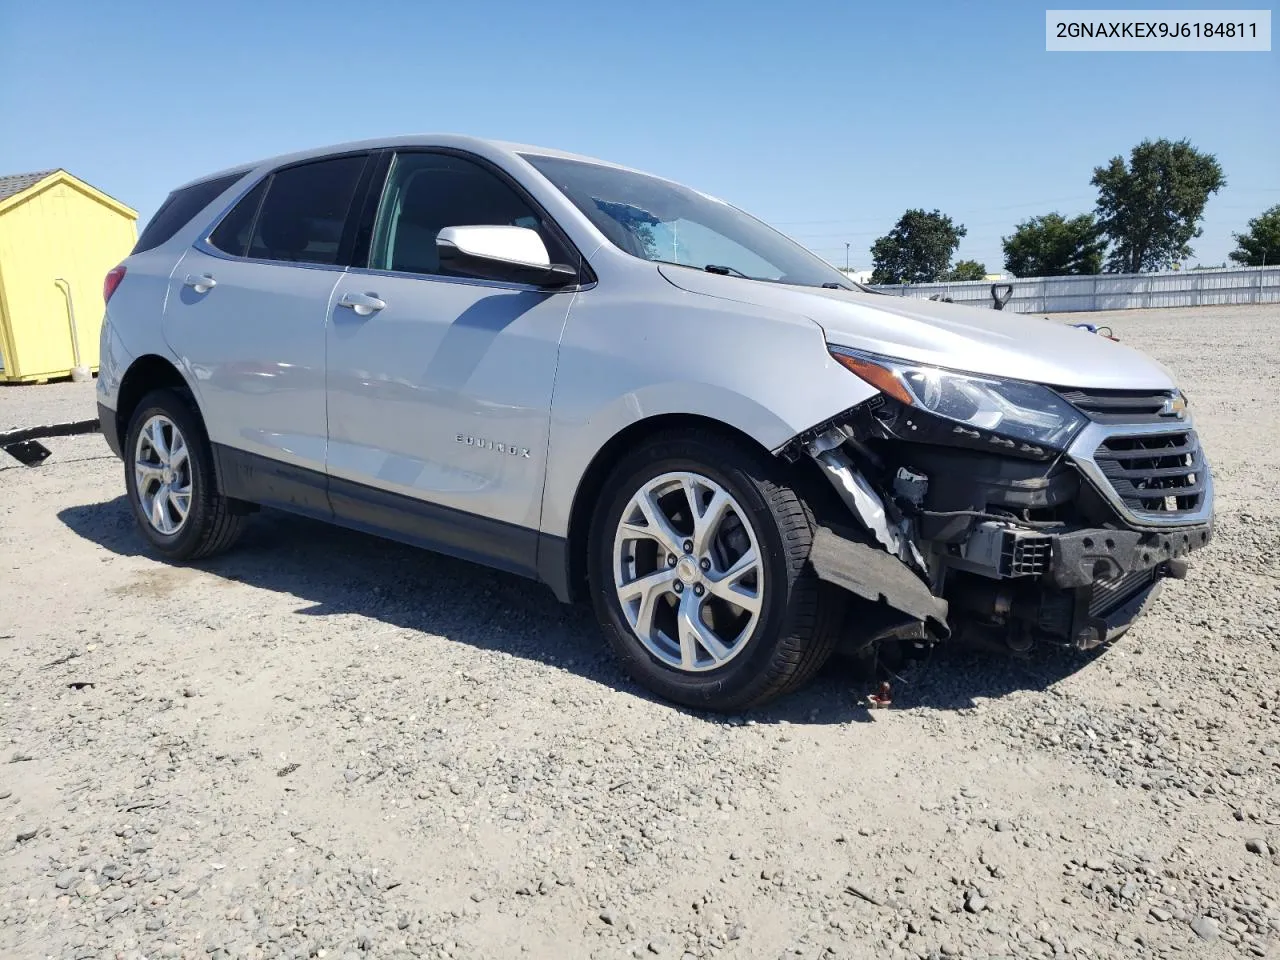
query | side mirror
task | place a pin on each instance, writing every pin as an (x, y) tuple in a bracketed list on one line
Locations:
[(512, 254)]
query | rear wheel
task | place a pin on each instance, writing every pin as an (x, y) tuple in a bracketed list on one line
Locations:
[(699, 574), (170, 480)]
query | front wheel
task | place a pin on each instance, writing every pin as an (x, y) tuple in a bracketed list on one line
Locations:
[(699, 574)]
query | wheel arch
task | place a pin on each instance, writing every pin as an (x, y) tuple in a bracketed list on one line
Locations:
[(148, 372), (563, 563)]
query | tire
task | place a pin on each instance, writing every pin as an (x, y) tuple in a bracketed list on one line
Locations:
[(797, 623), (210, 525)]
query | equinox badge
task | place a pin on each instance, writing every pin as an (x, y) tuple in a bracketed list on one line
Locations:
[(483, 444)]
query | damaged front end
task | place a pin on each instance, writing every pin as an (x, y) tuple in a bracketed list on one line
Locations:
[(1006, 513)]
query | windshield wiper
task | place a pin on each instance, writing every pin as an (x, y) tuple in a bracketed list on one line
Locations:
[(726, 271)]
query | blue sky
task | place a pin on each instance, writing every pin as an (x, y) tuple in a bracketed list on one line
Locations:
[(827, 119)]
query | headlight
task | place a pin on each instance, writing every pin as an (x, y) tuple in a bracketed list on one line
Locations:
[(1023, 411)]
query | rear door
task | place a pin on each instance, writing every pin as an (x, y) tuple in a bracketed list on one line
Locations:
[(246, 313), (440, 392)]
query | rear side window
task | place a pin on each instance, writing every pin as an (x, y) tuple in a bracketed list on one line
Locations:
[(232, 234), (178, 209), (302, 217)]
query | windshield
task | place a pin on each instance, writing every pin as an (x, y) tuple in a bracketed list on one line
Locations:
[(662, 221)]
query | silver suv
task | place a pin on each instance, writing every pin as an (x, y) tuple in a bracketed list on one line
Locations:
[(639, 394)]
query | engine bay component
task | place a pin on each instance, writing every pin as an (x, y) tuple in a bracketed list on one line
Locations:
[(852, 486), (999, 550), (910, 486)]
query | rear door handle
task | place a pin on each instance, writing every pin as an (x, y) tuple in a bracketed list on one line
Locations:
[(201, 284), (362, 303)]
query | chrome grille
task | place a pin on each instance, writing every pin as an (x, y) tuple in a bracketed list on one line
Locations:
[(1155, 473), (1124, 406)]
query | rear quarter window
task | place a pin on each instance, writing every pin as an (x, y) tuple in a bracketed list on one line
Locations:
[(178, 209), (233, 233)]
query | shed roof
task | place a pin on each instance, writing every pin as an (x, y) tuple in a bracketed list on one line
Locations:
[(11, 183)]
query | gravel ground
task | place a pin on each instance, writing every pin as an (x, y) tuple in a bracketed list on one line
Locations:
[(24, 405), (327, 745)]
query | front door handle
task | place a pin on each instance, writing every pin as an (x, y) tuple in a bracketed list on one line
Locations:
[(201, 284), (362, 303)]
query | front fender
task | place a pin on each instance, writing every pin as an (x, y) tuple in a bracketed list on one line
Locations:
[(765, 373)]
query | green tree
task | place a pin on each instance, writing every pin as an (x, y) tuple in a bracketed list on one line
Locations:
[(1053, 246), (1151, 208), (1261, 245), (917, 250), (968, 270)]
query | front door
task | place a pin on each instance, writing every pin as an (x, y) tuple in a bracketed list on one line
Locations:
[(439, 385), (246, 311)]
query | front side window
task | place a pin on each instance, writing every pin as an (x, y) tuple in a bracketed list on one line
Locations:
[(665, 222), (426, 192), (301, 217)]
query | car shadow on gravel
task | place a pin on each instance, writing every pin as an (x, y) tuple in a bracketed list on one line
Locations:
[(341, 571)]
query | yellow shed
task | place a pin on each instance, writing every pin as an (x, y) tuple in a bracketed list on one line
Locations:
[(58, 238)]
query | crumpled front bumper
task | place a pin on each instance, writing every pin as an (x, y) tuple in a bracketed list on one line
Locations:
[(1113, 576), (1084, 557), (1081, 587)]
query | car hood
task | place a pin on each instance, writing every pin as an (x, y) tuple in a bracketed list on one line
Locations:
[(972, 339)]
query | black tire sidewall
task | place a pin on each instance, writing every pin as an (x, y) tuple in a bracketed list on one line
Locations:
[(188, 540), (742, 477)]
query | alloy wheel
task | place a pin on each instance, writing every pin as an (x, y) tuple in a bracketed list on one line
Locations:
[(688, 571), (162, 474)]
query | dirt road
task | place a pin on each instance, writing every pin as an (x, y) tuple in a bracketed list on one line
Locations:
[(327, 745)]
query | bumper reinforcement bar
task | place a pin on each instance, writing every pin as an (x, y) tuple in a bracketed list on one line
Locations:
[(1087, 556)]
